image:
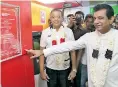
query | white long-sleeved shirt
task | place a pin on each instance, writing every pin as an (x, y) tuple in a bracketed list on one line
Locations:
[(89, 41)]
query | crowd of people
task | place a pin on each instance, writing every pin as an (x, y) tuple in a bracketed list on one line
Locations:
[(82, 53)]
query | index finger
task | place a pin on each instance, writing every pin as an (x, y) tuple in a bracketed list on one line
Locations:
[(29, 51)]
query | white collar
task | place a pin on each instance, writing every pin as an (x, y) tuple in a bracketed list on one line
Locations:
[(102, 35)]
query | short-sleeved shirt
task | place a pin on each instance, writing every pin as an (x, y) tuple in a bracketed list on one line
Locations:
[(56, 61), (107, 44)]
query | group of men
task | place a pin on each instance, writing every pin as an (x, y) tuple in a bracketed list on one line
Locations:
[(98, 47)]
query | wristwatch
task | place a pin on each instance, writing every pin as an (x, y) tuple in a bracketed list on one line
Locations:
[(74, 70)]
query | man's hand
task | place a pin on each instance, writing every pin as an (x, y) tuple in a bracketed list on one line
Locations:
[(34, 53), (44, 76), (72, 75)]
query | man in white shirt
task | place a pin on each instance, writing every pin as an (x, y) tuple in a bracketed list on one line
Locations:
[(102, 49), (58, 65)]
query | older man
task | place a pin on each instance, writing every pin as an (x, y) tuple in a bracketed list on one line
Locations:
[(102, 49)]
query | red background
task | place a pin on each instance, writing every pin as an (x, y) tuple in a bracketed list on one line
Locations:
[(18, 72)]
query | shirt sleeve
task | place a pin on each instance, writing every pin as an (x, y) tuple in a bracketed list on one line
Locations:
[(43, 39), (67, 46)]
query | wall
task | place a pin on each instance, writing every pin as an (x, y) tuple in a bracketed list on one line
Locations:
[(111, 3), (115, 7), (18, 72), (40, 16)]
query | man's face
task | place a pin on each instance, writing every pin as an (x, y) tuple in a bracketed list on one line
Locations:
[(79, 19), (101, 22), (71, 19), (56, 18), (79, 16), (89, 22)]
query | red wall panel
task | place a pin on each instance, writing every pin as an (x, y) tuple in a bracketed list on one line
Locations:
[(37, 28), (18, 72)]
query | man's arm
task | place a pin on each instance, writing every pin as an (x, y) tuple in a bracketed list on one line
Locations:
[(67, 46), (41, 63), (64, 47), (73, 58), (43, 74), (73, 70), (79, 56)]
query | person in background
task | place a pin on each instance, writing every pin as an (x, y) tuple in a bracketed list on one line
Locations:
[(102, 49), (76, 24), (79, 15), (58, 71), (71, 21), (80, 31), (116, 22), (116, 25), (82, 55), (89, 22)]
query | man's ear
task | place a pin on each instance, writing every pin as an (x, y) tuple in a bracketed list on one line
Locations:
[(112, 19)]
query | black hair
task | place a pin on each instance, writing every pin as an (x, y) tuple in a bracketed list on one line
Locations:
[(69, 15), (109, 9), (89, 16), (80, 12)]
